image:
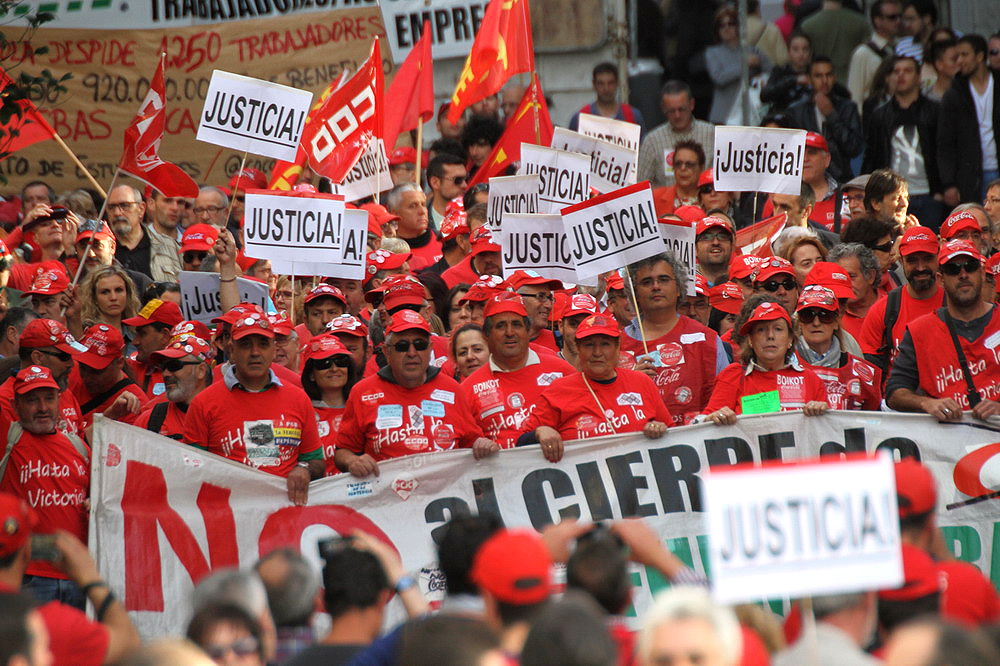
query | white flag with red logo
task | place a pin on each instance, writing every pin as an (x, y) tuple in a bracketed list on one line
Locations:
[(140, 156), (351, 117)]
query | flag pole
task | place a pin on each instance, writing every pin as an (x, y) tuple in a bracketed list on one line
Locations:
[(90, 242), (79, 164), (534, 106), (638, 317), (232, 198), (420, 145)]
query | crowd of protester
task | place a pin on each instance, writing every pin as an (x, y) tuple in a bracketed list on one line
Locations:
[(879, 294)]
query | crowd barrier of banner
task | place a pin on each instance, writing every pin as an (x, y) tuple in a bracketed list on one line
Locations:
[(165, 514), (111, 70)]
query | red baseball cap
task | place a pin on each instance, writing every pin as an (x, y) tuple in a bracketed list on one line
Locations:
[(766, 311), (17, 520), (957, 247), (381, 213), (324, 290), (920, 576), (615, 281), (236, 312), (993, 265), (483, 289), (727, 297), (99, 229), (957, 222), (832, 276), (690, 213), (580, 304), (348, 325), (104, 344), (742, 266), (454, 224), (598, 324), (919, 239), (706, 178), (383, 260), (700, 285), (404, 292), (156, 311), (482, 241), (915, 488), (49, 333), (281, 324), (191, 327), (706, 223), (254, 323), (48, 283), (248, 178), (185, 344), (520, 279), (771, 266), (814, 140), (817, 296), (402, 155), (33, 377), (323, 346), (407, 320), (559, 301), (200, 238), (505, 301), (515, 567)]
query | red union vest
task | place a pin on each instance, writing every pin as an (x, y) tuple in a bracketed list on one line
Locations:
[(626, 111), (937, 362), (854, 385)]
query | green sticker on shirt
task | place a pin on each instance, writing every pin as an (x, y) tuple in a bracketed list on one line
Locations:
[(761, 403)]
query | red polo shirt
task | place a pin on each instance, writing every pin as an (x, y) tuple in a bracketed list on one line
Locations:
[(460, 272)]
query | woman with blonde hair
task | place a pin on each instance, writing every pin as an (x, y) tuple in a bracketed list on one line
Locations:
[(803, 252), (108, 296)]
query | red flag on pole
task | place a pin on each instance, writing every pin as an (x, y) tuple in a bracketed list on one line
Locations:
[(503, 47), (520, 128), (349, 119), (26, 130), (757, 238), (411, 91), (140, 156)]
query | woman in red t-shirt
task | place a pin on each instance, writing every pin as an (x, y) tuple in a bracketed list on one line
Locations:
[(770, 377), (328, 375), (851, 382)]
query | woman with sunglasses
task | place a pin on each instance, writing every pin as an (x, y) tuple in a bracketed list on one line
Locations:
[(688, 163), (768, 376), (328, 376), (228, 634), (851, 382)]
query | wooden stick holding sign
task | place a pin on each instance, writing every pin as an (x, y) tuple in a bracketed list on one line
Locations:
[(232, 198), (420, 145), (79, 164), (635, 304), (90, 241)]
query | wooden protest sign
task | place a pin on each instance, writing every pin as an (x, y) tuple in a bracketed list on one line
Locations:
[(611, 166), (612, 230), (293, 226), (564, 178), (758, 159), (511, 194)]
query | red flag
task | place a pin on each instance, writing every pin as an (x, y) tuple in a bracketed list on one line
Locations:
[(349, 119), (503, 47), (520, 128), (26, 130), (757, 238), (411, 91), (140, 156)]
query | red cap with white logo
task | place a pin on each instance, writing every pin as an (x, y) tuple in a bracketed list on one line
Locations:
[(766, 311)]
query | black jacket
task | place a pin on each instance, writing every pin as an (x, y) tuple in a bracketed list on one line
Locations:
[(882, 125), (960, 154), (842, 131)]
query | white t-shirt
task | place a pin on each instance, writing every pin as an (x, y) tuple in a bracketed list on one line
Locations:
[(908, 160), (984, 114)]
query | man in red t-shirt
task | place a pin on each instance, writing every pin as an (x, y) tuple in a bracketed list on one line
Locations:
[(100, 383), (48, 469), (152, 332), (223, 343), (503, 392), (537, 293), (254, 418), (578, 308), (407, 407), (184, 366), (483, 259), (73, 637), (319, 307), (409, 203)]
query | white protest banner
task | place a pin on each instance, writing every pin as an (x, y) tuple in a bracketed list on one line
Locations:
[(200, 295), (370, 175), (612, 230), (353, 248), (564, 178), (511, 194), (679, 239), (537, 243), (611, 166), (758, 159), (454, 24), (178, 505), (253, 116), (293, 226), (618, 132), (803, 529)]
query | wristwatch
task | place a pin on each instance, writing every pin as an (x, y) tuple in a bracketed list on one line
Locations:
[(404, 583)]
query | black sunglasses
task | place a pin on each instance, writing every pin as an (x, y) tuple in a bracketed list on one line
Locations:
[(61, 355), (330, 361), (189, 257), (954, 268), (420, 344), (884, 247), (773, 285), (176, 365), (458, 180), (809, 315)]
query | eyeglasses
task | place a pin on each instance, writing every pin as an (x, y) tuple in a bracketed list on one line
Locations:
[(662, 280), (176, 365), (954, 268), (543, 297), (192, 256), (715, 236), (243, 647), (884, 247), (337, 360), (419, 344), (241, 198), (706, 189), (682, 164), (61, 355), (773, 285), (121, 207), (211, 210), (458, 180), (809, 315)]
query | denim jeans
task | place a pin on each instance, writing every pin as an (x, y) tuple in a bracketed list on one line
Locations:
[(54, 589)]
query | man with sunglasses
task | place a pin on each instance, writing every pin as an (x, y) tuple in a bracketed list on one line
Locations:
[(775, 278), (255, 418), (152, 332), (407, 407), (944, 351), (196, 244), (184, 366), (713, 248), (885, 16), (448, 179)]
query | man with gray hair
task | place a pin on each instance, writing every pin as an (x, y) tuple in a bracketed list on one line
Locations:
[(292, 593), (240, 588), (409, 203), (686, 626), (844, 623), (862, 267), (125, 210)]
